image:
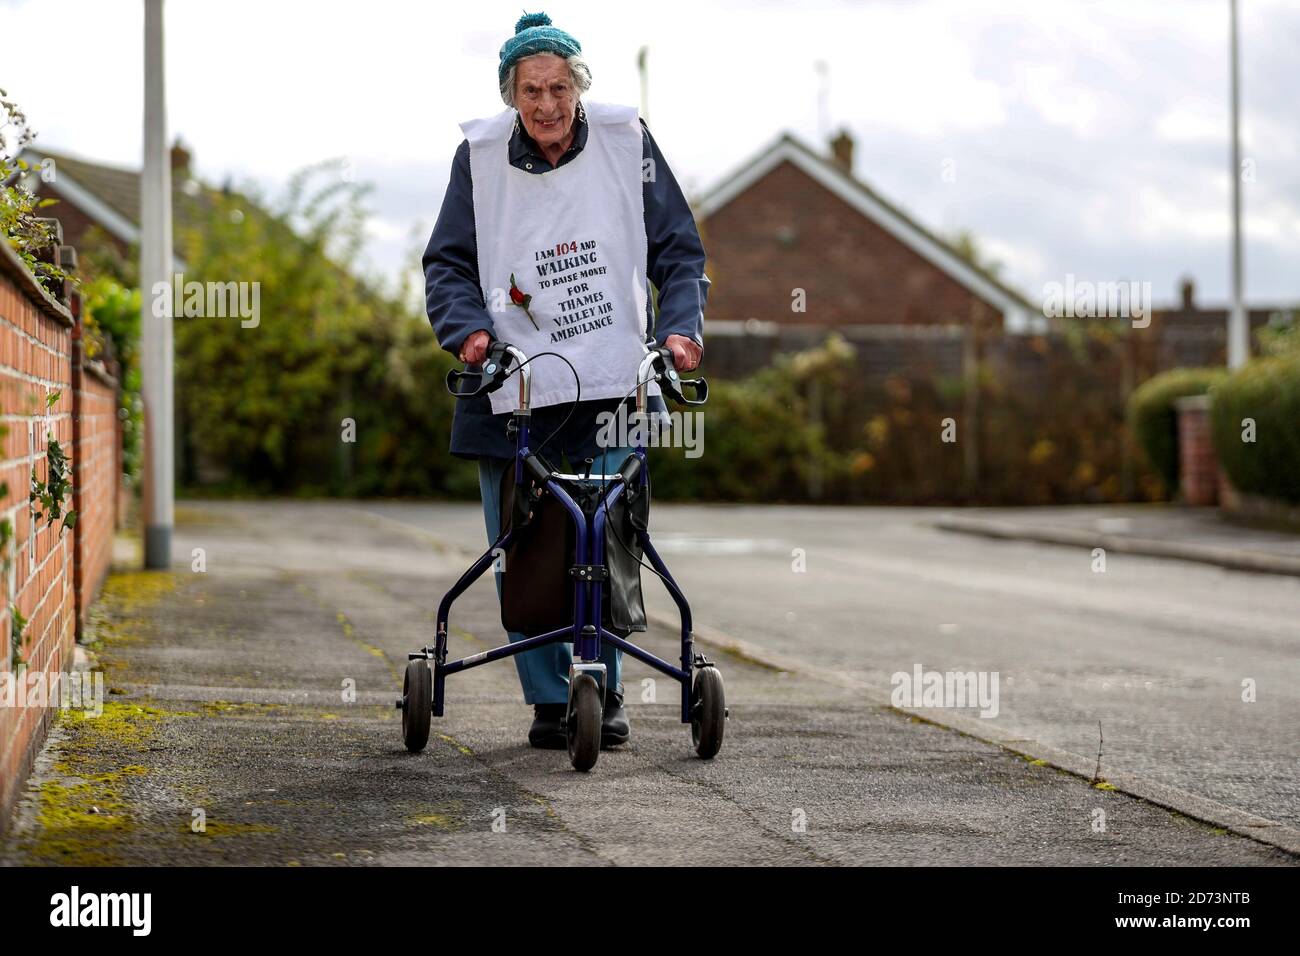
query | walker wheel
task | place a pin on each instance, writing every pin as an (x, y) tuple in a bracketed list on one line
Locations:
[(708, 712), (582, 729), (417, 705)]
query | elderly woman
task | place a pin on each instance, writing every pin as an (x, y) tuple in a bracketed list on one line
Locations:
[(572, 204)]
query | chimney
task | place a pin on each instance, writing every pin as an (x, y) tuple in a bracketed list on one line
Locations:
[(842, 151), (1187, 290), (180, 157)]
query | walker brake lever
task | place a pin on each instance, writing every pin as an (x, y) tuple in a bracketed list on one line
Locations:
[(671, 382), (491, 375)]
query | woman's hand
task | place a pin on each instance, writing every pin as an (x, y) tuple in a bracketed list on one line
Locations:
[(686, 352), (474, 349)]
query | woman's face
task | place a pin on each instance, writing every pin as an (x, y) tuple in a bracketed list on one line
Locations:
[(545, 98)]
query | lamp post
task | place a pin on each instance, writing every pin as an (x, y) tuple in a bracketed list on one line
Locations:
[(643, 70), (156, 320), (1238, 326)]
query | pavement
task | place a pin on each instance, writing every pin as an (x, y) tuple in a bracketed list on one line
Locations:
[(249, 715), (1159, 530)]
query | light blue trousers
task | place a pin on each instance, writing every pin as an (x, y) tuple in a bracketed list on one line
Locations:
[(544, 671)]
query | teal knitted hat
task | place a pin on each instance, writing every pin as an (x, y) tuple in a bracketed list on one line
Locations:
[(534, 34)]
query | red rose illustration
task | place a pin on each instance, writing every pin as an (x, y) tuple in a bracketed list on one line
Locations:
[(522, 300)]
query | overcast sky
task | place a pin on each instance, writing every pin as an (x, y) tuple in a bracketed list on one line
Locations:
[(1086, 137)]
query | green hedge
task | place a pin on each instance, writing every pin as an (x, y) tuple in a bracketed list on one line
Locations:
[(1152, 418), (1266, 390), (765, 436)]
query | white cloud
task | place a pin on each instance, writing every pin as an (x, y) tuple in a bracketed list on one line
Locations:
[(1059, 102), (1188, 124)]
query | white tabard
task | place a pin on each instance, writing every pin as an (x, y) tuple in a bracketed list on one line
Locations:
[(574, 239)]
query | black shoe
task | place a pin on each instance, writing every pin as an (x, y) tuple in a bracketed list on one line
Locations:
[(547, 732), (614, 728)]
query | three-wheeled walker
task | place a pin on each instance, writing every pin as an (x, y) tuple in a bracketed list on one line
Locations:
[(588, 500)]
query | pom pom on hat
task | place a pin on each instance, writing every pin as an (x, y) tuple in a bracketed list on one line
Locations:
[(532, 20)]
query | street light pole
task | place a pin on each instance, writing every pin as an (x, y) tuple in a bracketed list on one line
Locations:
[(156, 318), (1238, 327), (643, 69), (823, 101)]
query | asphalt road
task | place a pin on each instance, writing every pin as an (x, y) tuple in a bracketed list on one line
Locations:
[(227, 707), (1154, 650)]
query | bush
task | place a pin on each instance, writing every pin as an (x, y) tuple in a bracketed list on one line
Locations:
[(338, 389), (111, 312), (1282, 334), (1152, 418), (825, 425), (22, 227), (764, 440), (1051, 420), (1266, 390)]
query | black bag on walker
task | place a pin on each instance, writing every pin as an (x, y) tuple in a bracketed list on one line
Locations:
[(536, 587)]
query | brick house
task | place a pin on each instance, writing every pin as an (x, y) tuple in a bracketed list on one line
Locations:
[(1190, 334), (792, 219), (106, 198), (789, 219)]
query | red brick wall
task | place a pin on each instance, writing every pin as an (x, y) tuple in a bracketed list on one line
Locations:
[(53, 574), (1198, 466), (97, 458), (788, 230), (35, 352)]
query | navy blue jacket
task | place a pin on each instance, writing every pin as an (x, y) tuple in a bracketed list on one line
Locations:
[(456, 308)]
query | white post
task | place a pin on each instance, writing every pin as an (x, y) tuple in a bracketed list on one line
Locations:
[(1238, 326), (155, 268), (823, 101), (643, 68)]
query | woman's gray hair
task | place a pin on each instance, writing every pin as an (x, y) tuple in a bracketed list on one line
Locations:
[(579, 73)]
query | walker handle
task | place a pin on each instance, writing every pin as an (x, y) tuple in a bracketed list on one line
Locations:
[(491, 375), (671, 382)]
